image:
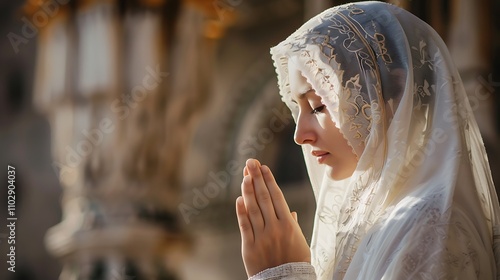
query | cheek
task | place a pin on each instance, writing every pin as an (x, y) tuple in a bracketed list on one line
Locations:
[(332, 132), (338, 142)]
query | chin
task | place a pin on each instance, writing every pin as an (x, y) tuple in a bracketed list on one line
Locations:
[(338, 174)]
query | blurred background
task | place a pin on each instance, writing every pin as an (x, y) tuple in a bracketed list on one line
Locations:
[(128, 123)]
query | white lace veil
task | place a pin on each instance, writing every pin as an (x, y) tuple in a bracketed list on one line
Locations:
[(421, 202)]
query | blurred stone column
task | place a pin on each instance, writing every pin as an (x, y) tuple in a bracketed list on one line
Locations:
[(314, 7), (470, 40), (122, 84), (405, 4), (438, 17)]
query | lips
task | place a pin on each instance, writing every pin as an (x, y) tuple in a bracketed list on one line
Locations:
[(320, 155)]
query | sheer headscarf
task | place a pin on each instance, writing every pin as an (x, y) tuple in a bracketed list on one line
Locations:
[(421, 202)]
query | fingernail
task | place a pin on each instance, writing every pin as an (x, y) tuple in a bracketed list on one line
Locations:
[(251, 163), (264, 169), (247, 179)]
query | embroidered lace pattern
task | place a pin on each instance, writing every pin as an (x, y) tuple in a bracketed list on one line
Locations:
[(421, 203)]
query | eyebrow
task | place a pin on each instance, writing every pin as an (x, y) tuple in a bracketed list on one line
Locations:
[(303, 95)]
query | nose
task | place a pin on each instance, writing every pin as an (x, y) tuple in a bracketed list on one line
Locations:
[(304, 131)]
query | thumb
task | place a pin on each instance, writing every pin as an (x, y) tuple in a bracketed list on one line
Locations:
[(295, 217)]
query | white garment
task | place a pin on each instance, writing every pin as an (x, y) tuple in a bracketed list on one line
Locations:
[(288, 271), (421, 203)]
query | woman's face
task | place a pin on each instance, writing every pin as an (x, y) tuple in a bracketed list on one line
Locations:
[(316, 128)]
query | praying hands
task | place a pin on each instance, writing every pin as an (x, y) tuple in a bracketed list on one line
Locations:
[(270, 234)]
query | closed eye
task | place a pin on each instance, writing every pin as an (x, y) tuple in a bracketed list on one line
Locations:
[(318, 109)]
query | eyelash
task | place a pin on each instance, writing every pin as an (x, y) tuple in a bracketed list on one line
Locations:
[(318, 109)]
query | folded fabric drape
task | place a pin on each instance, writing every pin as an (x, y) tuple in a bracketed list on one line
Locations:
[(421, 203)]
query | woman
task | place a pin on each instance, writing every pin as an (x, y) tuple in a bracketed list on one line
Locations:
[(395, 158)]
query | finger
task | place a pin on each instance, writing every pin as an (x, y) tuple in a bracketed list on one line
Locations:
[(280, 206), (245, 171), (261, 192), (295, 217), (243, 222), (252, 207)]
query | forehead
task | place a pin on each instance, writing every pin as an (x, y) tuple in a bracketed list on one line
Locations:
[(298, 83), (310, 94)]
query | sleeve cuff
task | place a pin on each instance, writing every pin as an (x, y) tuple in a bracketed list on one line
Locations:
[(287, 271)]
